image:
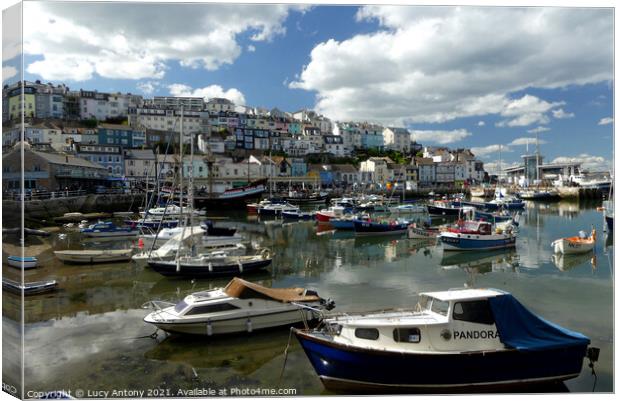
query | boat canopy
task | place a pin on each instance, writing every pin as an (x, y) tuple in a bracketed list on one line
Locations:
[(241, 289), (521, 329)]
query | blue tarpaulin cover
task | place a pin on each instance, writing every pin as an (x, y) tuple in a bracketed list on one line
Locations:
[(521, 329)]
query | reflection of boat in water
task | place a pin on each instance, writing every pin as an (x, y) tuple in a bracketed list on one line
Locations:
[(483, 261), (236, 353), (568, 262)]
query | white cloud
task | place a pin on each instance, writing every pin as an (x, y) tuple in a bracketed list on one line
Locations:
[(561, 114), (481, 123), (526, 141), (11, 33), (138, 40), (251, 48), (435, 64), (526, 111), (588, 162), (605, 121), (8, 72), (438, 136), (208, 92), (538, 130), (148, 87), (490, 149)]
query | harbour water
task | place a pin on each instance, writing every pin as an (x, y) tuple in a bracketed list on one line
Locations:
[(89, 334)]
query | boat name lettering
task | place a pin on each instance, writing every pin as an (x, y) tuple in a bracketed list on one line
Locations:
[(475, 334)]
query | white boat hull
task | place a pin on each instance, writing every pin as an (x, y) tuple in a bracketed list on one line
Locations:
[(24, 264), (421, 233), (570, 248), (93, 256), (240, 324)]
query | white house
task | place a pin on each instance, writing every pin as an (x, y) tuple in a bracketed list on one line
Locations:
[(397, 139)]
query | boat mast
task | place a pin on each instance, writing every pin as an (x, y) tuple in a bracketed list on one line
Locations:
[(180, 189), (537, 159)]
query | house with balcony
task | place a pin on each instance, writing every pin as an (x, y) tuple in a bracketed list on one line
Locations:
[(109, 156)]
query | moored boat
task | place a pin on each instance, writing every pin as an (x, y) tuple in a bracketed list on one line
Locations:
[(477, 236), (577, 244), (276, 209), (94, 256), (26, 262), (108, 229), (425, 232), (465, 339), (407, 209), (240, 307), (366, 227), (31, 288), (204, 266), (443, 208), (298, 215)]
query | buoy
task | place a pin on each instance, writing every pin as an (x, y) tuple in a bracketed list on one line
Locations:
[(140, 243), (209, 328), (248, 325)]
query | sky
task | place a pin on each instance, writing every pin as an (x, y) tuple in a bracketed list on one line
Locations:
[(468, 76)]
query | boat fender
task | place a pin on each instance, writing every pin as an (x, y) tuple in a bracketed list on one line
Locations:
[(248, 325), (240, 266), (209, 328), (210, 266)]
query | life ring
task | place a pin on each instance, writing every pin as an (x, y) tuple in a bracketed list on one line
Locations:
[(265, 253)]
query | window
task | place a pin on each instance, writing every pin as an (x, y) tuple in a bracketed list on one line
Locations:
[(473, 311), (440, 307), (367, 333), (407, 335), (180, 306), (199, 310)]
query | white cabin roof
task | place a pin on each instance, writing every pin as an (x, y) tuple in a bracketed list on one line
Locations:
[(461, 294)]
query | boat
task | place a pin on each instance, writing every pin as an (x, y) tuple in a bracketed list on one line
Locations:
[(577, 244), (509, 203), (204, 266), (240, 307), (302, 198), (503, 215), (31, 288), (171, 211), (325, 215), (407, 209), (540, 195), (464, 339), (477, 236), (424, 232), (25, 262), (153, 223), (234, 197), (608, 209), (443, 208), (298, 215), (347, 221), (366, 227), (94, 256), (276, 209), (108, 229)]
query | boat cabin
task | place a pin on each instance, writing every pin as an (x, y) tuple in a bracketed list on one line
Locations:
[(473, 227)]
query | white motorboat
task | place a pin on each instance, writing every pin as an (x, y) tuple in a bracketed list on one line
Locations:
[(94, 256), (170, 211), (27, 262), (407, 209), (239, 307), (577, 244), (276, 209)]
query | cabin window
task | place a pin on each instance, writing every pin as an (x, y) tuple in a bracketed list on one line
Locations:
[(407, 335), (473, 311), (180, 306), (199, 310), (367, 333), (440, 307)]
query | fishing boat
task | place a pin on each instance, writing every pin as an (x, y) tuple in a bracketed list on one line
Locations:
[(425, 232), (443, 208), (204, 266), (108, 229), (31, 288), (503, 215), (366, 227), (347, 221), (240, 307), (407, 209), (298, 215), (303, 198), (577, 244), (94, 256), (508, 203), (26, 262), (465, 339), (234, 197), (325, 215), (477, 236)]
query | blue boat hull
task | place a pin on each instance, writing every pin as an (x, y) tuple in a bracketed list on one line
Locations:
[(349, 368), (507, 206), (342, 224), (369, 228), (491, 217), (443, 211), (169, 269), (466, 244)]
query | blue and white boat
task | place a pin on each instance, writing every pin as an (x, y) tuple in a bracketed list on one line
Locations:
[(276, 209), (26, 262), (494, 217), (298, 215), (507, 203), (465, 339), (153, 223), (407, 208), (108, 229), (477, 236), (366, 227)]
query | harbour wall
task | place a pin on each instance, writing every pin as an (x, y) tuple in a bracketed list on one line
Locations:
[(42, 212)]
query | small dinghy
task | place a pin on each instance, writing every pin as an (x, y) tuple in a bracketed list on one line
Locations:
[(466, 339), (240, 307), (32, 288), (94, 256), (572, 245), (26, 262)]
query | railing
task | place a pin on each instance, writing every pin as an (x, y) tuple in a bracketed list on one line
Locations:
[(40, 195)]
